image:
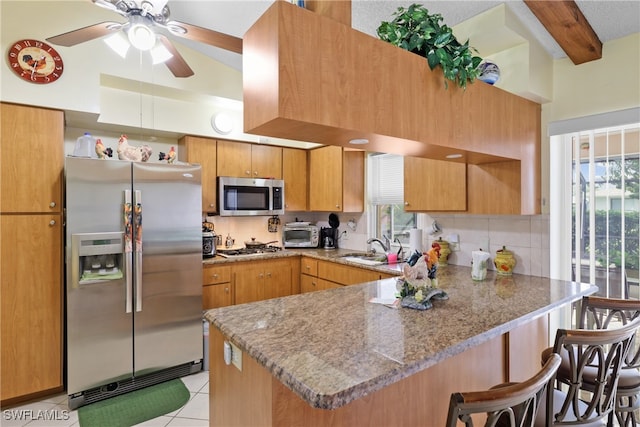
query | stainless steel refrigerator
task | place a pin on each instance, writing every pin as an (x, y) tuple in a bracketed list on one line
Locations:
[(134, 276)]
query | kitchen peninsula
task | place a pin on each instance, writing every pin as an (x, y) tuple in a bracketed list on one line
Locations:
[(334, 358)]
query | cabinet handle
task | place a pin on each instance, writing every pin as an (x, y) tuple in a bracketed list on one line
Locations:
[(52, 204), (52, 222), (337, 206), (247, 172), (313, 283), (255, 173), (215, 276), (308, 267), (211, 205), (226, 289), (268, 274), (261, 276), (406, 203)]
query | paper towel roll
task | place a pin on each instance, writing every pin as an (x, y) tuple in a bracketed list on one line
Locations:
[(415, 240)]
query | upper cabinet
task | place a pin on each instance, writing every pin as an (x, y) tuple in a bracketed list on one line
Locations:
[(32, 159), (434, 185), (294, 174), (244, 160), (297, 85), (194, 149), (336, 179)]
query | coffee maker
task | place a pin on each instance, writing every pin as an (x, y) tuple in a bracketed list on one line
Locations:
[(329, 238)]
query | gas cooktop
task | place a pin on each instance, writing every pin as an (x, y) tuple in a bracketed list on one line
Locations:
[(244, 252)]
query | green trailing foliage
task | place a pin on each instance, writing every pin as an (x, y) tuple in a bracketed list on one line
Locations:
[(416, 30)]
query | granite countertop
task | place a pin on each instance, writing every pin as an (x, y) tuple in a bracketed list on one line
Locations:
[(332, 347)]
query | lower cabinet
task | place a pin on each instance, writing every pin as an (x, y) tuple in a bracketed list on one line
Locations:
[(318, 275), (242, 282), (31, 306), (216, 286), (261, 280)]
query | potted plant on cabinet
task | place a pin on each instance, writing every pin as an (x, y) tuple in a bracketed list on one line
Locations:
[(416, 30)]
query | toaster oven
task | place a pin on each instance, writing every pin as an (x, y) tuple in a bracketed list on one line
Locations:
[(300, 236)]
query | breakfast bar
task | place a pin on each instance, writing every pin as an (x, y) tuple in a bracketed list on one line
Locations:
[(335, 357)]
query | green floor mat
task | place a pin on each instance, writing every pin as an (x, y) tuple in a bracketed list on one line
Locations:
[(135, 407)]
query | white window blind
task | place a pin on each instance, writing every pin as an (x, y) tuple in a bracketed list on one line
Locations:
[(386, 179)]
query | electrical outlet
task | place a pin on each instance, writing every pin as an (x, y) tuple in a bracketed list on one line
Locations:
[(236, 356), (345, 236)]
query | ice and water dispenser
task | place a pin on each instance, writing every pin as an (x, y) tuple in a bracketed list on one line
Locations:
[(97, 257)]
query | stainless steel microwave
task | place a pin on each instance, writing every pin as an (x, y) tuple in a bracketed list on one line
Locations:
[(250, 196)]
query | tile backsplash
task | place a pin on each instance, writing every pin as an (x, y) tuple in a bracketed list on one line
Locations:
[(526, 236)]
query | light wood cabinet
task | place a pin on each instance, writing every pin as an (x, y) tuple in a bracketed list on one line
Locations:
[(261, 280), (336, 179), (217, 290), (32, 159), (294, 174), (244, 160), (31, 143), (290, 95), (318, 275), (194, 149), (434, 185)]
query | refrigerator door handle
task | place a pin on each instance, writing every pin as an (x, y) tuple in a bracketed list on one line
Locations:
[(137, 230), (128, 262), (128, 248)]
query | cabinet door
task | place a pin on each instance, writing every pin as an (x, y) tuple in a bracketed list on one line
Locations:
[(202, 151), (308, 283), (248, 282), (234, 159), (214, 296), (277, 279), (353, 181), (294, 173), (32, 161), (309, 266), (266, 161), (325, 179), (213, 275), (434, 185), (327, 284), (31, 304)]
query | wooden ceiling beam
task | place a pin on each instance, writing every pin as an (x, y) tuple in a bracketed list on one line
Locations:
[(568, 26)]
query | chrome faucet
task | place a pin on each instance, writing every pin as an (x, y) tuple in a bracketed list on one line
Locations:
[(386, 245), (401, 250)]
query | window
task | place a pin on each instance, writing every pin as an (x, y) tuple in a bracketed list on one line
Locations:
[(606, 209), (385, 184)]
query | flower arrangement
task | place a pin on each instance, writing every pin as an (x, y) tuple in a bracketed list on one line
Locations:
[(419, 285)]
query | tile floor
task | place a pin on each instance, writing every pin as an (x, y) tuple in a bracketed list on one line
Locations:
[(195, 413)]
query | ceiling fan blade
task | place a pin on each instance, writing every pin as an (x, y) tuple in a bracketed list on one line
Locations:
[(205, 35), (84, 34), (176, 64)]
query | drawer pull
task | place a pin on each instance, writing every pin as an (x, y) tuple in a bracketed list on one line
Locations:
[(52, 204), (268, 274), (215, 276), (52, 222)]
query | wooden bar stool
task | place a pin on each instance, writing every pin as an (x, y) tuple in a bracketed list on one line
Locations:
[(512, 405), (587, 379)]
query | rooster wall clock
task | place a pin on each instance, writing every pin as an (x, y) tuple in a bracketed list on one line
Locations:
[(35, 61)]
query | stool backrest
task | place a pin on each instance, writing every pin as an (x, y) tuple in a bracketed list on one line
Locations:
[(595, 357), (513, 405), (604, 313)]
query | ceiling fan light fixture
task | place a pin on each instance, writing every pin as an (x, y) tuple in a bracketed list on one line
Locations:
[(160, 54), (141, 37), (118, 43)]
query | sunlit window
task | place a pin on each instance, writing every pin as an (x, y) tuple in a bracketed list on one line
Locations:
[(385, 184)]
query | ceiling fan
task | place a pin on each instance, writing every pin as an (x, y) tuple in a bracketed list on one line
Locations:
[(147, 27)]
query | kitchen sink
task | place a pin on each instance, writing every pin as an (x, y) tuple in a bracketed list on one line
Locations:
[(366, 258)]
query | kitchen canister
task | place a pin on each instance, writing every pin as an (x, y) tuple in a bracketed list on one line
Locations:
[(444, 251), (504, 261)]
